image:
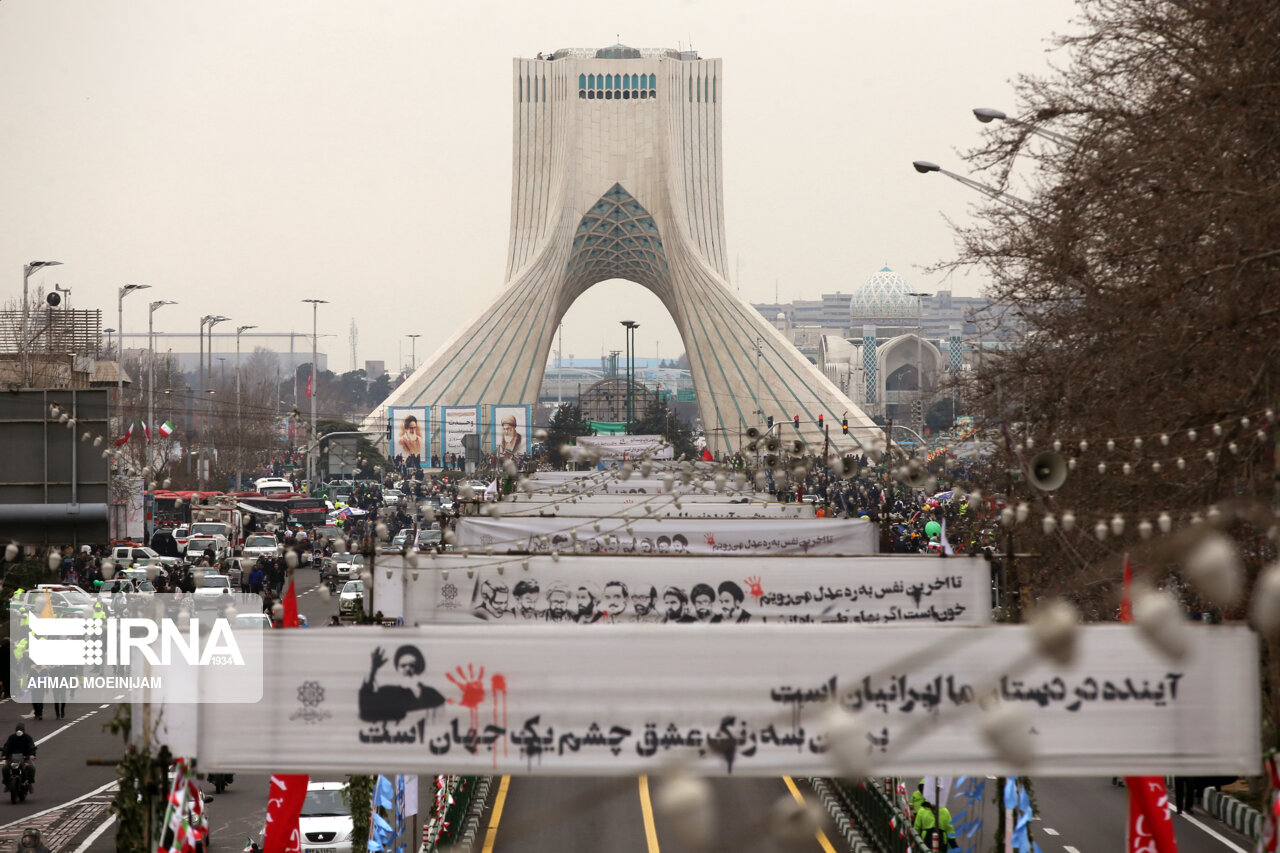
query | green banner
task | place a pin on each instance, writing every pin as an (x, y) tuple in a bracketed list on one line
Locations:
[(608, 427)]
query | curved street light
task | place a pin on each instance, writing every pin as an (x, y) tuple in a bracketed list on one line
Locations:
[(924, 167), (986, 115), (151, 364), (124, 291)]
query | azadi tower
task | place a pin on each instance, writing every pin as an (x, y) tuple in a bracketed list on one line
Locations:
[(616, 174)]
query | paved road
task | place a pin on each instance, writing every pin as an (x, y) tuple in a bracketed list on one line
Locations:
[(554, 814), (69, 797), (1087, 815)]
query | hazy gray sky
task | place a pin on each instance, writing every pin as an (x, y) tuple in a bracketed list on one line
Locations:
[(242, 155)]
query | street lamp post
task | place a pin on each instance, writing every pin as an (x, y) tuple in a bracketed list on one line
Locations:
[(108, 332), (239, 428), (924, 167), (209, 321), (630, 326), (986, 115), (413, 352), (311, 460), (124, 291), (920, 351), (151, 365), (27, 270)]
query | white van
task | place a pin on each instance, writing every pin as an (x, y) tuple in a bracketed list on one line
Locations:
[(273, 486)]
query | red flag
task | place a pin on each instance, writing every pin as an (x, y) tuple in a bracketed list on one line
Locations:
[(706, 455), (1150, 826), (124, 439), (290, 607), (1126, 598), (284, 804), (310, 376), (1149, 820), (284, 801)]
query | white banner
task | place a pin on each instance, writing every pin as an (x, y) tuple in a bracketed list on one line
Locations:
[(657, 506), (744, 700), (890, 590), (627, 446), (709, 536), (611, 484), (457, 421)]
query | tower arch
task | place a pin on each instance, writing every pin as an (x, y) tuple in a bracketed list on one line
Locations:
[(628, 189)]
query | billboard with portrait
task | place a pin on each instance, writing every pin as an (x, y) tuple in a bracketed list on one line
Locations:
[(455, 422), (510, 430), (410, 433)]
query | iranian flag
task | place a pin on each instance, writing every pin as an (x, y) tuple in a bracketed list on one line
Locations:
[(124, 439), (165, 429), (146, 430)]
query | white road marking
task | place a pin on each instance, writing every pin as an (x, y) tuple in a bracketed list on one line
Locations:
[(1070, 849), (1217, 836), (31, 817), (1048, 831), (84, 845), (57, 732)]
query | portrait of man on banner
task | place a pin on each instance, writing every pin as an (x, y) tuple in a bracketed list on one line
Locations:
[(394, 703), (410, 426), (512, 427)]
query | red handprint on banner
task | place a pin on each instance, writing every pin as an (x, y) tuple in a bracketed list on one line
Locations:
[(710, 537), (753, 587), (471, 684)]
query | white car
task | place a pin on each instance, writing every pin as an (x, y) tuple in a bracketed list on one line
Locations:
[(197, 545), (259, 545), (391, 497), (351, 599), (212, 587), (346, 565), (325, 820)]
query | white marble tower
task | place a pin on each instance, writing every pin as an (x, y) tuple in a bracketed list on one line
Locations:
[(616, 173)]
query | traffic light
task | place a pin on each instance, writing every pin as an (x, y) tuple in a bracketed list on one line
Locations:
[(917, 410), (819, 423), (770, 421), (844, 425), (797, 420)]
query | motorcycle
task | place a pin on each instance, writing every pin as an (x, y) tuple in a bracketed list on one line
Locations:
[(16, 780)]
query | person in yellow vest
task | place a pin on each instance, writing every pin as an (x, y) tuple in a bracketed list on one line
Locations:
[(917, 797), (947, 828), (925, 818)]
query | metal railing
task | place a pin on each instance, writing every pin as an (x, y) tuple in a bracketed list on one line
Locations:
[(883, 824)]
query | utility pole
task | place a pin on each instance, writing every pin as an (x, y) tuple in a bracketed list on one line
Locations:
[(151, 368), (311, 455), (27, 270), (239, 416)]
